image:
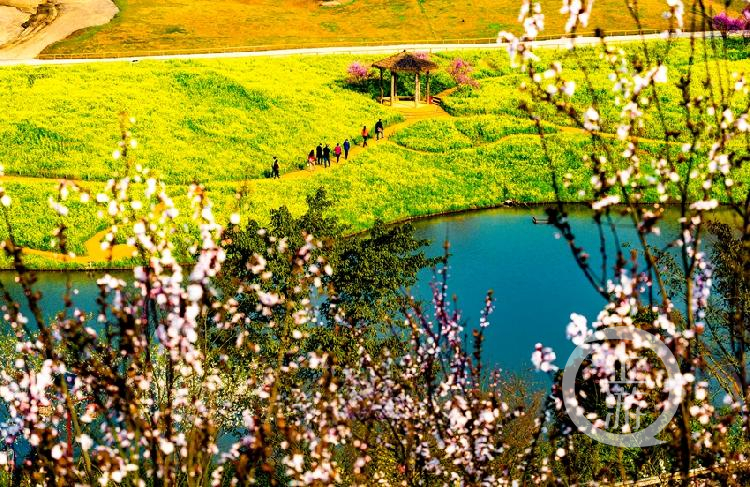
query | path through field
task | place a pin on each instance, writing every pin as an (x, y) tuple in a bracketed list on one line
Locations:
[(412, 115), (95, 254)]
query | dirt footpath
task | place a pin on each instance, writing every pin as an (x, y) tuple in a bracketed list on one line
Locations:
[(72, 15)]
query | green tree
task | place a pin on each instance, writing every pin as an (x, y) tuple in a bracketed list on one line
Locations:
[(369, 272)]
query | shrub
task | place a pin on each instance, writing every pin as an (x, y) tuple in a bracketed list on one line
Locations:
[(724, 22), (357, 73), (461, 71)]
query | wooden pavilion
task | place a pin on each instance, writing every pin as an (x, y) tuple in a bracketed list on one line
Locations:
[(405, 62)]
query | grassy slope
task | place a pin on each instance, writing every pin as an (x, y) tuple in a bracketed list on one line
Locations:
[(199, 24), (62, 121), (482, 157)]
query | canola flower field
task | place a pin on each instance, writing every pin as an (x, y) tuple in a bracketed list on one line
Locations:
[(220, 122)]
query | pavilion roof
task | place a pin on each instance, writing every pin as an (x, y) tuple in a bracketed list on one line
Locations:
[(406, 62)]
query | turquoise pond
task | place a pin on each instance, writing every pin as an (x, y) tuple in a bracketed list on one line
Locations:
[(534, 278), (536, 283)]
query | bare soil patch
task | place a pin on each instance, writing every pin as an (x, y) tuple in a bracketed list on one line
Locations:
[(11, 23), (54, 23)]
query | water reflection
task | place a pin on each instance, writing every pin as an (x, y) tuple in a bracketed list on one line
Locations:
[(530, 269)]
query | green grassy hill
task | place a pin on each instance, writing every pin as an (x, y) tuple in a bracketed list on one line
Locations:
[(220, 120)]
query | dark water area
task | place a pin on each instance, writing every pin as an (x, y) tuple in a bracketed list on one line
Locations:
[(531, 270), (536, 282), (52, 286)]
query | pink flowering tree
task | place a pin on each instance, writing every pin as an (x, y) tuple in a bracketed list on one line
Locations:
[(460, 70), (357, 73), (723, 22)]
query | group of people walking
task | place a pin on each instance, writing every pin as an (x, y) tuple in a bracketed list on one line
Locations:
[(322, 154)]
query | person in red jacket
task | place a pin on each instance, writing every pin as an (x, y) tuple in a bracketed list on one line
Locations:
[(337, 151), (365, 135), (311, 159)]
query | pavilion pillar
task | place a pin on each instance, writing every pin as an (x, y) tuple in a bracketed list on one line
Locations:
[(394, 86), (416, 90), (428, 87), (381, 86)]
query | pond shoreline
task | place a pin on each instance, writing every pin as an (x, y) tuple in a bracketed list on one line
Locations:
[(410, 219), (535, 281)]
